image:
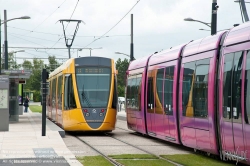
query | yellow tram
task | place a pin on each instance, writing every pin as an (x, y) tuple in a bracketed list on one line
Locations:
[(83, 94)]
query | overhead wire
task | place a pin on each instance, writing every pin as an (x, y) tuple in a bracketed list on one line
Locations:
[(34, 31), (26, 40), (48, 16), (67, 24), (114, 25), (94, 36)]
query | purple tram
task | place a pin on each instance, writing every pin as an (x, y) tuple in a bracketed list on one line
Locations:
[(196, 94)]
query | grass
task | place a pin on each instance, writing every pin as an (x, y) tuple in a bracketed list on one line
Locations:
[(93, 161), (125, 159), (36, 108), (195, 159), (133, 156), (157, 162)]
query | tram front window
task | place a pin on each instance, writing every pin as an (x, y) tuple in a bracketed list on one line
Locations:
[(93, 84)]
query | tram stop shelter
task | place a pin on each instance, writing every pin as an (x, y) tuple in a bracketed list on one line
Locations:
[(9, 96)]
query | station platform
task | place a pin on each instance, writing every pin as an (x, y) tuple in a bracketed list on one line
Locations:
[(24, 145), (121, 115)]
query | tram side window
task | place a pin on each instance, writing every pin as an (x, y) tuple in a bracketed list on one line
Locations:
[(247, 89), (72, 101), (137, 94), (150, 93), (66, 93), (236, 97), (200, 88), (159, 90), (128, 94), (187, 89), (59, 92), (133, 89), (53, 92), (69, 97), (227, 78), (139, 76), (168, 90)]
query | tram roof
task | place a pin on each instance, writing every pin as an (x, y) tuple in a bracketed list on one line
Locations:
[(238, 34), (204, 44), (166, 55)]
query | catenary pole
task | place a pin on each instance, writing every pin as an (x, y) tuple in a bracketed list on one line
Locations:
[(244, 10), (214, 18), (132, 44), (5, 40)]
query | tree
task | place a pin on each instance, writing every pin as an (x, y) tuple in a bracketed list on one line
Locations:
[(27, 65), (53, 63), (35, 79), (122, 67)]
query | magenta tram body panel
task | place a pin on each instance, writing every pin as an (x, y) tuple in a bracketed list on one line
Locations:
[(196, 94)]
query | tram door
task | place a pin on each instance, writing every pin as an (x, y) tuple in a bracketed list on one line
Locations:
[(231, 109), (246, 102), (150, 104)]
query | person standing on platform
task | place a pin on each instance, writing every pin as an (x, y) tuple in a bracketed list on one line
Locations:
[(26, 104)]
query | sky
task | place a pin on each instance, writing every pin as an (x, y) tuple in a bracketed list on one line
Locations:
[(106, 26)]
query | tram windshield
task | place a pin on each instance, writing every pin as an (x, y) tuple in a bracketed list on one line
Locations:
[(93, 85)]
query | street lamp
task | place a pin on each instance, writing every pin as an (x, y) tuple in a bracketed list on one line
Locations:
[(14, 52), (190, 19), (5, 37), (209, 30), (122, 53), (90, 49)]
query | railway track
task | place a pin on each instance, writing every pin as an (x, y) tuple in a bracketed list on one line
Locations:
[(107, 134), (114, 162), (102, 154)]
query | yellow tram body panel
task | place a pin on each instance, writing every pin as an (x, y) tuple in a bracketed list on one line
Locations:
[(74, 119)]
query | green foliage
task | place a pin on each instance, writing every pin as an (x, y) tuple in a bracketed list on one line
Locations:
[(53, 64), (134, 156), (122, 67), (35, 108), (93, 160), (121, 90), (36, 96), (150, 162), (34, 82)]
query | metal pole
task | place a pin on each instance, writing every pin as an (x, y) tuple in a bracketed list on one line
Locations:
[(132, 44), (69, 52), (15, 62), (5, 40), (44, 73), (244, 10), (90, 51), (214, 18)]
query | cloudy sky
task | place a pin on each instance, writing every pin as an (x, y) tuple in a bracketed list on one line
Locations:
[(158, 25)]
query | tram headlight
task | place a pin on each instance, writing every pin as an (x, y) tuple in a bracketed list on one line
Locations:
[(101, 114), (87, 114)]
